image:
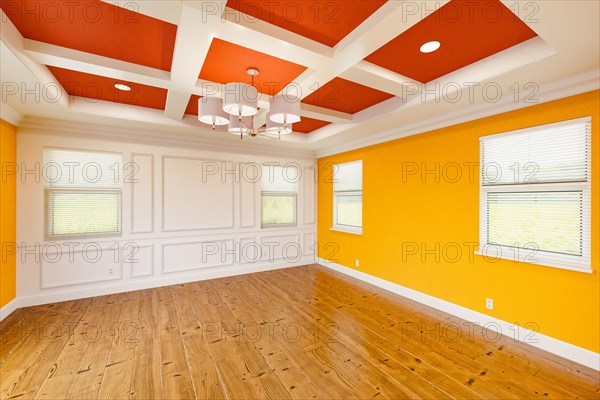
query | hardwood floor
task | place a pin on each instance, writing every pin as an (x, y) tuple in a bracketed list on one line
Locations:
[(299, 333)]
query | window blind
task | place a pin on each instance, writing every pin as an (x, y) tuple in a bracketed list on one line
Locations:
[(547, 221), (536, 192), (279, 186), (83, 213), (279, 179), (348, 176), (553, 154), (347, 196), (82, 169), (83, 193)]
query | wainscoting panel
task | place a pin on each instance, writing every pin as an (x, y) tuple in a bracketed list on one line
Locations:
[(79, 264), (280, 247), (249, 251), (308, 243), (140, 259), (248, 194), (188, 256), (140, 174), (309, 195), (197, 194)]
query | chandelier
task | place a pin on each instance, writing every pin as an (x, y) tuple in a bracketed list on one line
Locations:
[(239, 105)]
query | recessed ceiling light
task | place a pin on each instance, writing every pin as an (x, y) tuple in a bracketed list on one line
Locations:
[(430, 47), (120, 86)]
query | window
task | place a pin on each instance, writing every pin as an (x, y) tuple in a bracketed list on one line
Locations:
[(279, 191), (82, 193), (535, 195), (347, 197)]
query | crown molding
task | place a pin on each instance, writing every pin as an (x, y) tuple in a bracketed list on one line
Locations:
[(571, 86), (158, 138), (10, 115)]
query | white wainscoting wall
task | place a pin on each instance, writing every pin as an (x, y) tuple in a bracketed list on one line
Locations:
[(180, 221)]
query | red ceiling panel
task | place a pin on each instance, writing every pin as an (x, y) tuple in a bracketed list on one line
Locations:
[(307, 125), (192, 107), (95, 27), (102, 88), (468, 30), (346, 96), (326, 22), (227, 62)]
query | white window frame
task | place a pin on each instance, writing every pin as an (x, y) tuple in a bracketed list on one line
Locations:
[(270, 193), (293, 195), (358, 230), (48, 220), (543, 258), (48, 190)]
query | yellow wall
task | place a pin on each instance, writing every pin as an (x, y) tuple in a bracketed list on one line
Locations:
[(563, 304), (8, 212)]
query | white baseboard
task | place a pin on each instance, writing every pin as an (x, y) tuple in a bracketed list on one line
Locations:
[(569, 351), (212, 273), (9, 308)]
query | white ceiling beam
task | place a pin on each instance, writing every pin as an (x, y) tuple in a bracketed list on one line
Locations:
[(191, 48), (324, 114), (379, 78), (260, 118), (164, 10), (62, 57), (518, 56), (176, 104), (15, 42)]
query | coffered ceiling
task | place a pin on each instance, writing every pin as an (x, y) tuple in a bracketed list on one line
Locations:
[(357, 65)]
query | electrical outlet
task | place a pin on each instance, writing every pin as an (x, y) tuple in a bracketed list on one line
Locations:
[(357, 263), (489, 304)]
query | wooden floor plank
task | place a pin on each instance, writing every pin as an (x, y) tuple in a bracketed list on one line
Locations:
[(99, 323), (147, 380), (199, 340), (118, 372), (176, 382), (35, 358), (204, 372)]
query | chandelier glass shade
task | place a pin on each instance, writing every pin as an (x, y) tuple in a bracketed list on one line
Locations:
[(242, 127), (210, 111), (240, 99), (285, 109), (275, 128)]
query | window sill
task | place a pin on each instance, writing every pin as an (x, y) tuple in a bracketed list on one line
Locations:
[(540, 261), (275, 226), (84, 237), (353, 231)]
